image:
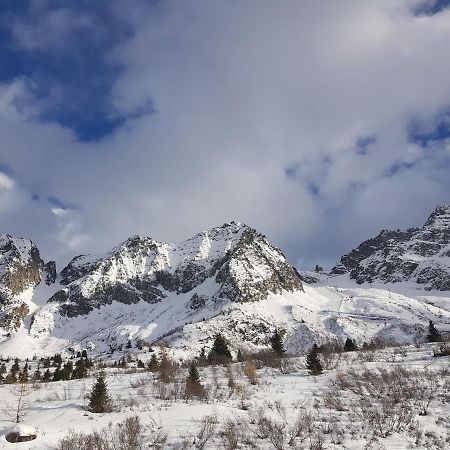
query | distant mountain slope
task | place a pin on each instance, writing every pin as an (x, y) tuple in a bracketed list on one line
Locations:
[(229, 279), (238, 259), (421, 255)]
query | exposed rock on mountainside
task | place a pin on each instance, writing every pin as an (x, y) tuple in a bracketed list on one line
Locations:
[(20, 264), (421, 255), (238, 261), (229, 279), (20, 269)]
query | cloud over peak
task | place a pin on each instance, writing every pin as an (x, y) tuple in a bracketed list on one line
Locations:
[(294, 118)]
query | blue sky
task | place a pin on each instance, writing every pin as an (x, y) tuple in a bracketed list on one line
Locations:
[(165, 118)]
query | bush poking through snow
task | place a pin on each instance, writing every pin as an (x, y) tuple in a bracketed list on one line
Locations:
[(127, 435), (250, 373)]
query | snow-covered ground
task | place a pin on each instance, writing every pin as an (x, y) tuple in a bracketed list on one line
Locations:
[(57, 407), (333, 309)]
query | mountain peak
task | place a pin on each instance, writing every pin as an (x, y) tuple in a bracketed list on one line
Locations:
[(420, 255), (439, 218)]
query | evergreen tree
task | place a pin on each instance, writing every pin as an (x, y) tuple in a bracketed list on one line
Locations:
[(37, 374), (99, 399), (47, 375), (219, 353), (276, 342), (349, 345), (11, 377), (433, 333), (3, 370), (84, 354), (202, 359), (57, 375), (140, 364), (193, 373), (66, 372), (80, 370), (129, 344), (166, 367), (23, 374), (193, 386), (240, 356), (153, 363), (15, 368), (312, 362)]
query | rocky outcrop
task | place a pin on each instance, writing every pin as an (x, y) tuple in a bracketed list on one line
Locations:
[(20, 269), (20, 265), (243, 266), (50, 272), (418, 254)]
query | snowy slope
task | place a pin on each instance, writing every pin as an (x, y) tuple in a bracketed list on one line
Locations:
[(228, 279)]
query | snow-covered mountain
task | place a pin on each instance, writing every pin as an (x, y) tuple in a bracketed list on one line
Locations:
[(229, 279), (420, 255)]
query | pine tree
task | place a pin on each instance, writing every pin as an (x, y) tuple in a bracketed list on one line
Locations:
[(57, 375), (129, 344), (66, 372), (166, 367), (15, 368), (23, 374), (99, 399), (3, 371), (219, 353), (276, 342), (240, 356), (433, 333), (80, 370), (349, 345), (193, 386), (202, 359), (312, 362), (153, 363), (37, 374), (193, 373), (47, 376), (84, 354)]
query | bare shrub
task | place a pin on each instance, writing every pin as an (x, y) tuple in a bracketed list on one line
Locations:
[(386, 401), (127, 435), (250, 373), (231, 434), (285, 429), (208, 425), (17, 409), (230, 377)]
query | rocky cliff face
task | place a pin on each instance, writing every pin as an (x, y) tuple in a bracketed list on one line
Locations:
[(20, 269), (236, 261), (20, 264), (421, 255)]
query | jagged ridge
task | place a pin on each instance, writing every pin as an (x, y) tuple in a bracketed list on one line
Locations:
[(244, 266), (421, 255)]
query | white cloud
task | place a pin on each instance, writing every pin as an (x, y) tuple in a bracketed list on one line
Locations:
[(242, 91)]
